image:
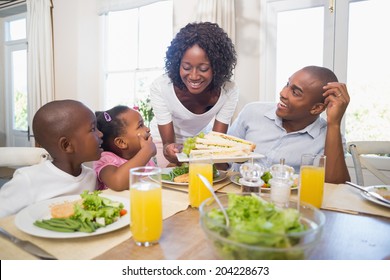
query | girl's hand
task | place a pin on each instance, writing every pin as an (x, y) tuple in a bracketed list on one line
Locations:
[(146, 142)]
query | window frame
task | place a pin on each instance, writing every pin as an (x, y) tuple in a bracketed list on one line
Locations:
[(132, 72)]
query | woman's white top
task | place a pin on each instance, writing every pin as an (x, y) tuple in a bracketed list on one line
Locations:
[(168, 108)]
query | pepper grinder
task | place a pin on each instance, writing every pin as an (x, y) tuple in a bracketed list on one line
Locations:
[(251, 181), (281, 182)]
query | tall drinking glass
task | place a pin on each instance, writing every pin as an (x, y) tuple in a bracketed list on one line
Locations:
[(146, 205), (197, 191), (312, 179)]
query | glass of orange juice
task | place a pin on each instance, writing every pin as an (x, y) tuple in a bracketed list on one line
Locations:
[(312, 179), (197, 191), (146, 205)]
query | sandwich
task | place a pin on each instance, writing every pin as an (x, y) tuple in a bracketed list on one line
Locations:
[(219, 144)]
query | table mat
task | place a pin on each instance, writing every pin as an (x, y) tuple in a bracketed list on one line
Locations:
[(341, 198), (86, 247), (344, 198)]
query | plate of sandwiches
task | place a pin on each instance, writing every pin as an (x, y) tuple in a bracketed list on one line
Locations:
[(220, 147)]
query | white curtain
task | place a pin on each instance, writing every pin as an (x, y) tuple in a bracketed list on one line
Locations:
[(105, 6), (221, 12), (40, 68)]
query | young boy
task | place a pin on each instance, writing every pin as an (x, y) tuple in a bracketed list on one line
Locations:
[(67, 130)]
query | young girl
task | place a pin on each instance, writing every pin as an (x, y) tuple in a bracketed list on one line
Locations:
[(127, 143)]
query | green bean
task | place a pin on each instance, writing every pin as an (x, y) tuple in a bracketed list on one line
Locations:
[(62, 223), (53, 228)]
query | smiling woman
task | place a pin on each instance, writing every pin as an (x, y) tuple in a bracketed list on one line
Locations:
[(196, 94)]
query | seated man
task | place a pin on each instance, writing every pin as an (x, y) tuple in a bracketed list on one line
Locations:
[(295, 127)]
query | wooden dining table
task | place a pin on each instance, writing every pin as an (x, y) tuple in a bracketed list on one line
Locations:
[(355, 229), (346, 236)]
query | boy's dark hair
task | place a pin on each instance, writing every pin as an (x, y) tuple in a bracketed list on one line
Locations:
[(111, 126), (213, 40)]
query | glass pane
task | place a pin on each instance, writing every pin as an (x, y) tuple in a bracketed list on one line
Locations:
[(19, 85), (17, 29), (143, 81), (122, 40), (156, 37), (119, 89), (300, 36), (368, 114)]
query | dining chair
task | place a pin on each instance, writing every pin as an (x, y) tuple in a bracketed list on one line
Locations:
[(22, 156), (359, 150)]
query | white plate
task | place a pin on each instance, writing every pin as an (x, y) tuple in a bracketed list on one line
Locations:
[(236, 180), (182, 157), (25, 219), (374, 189), (222, 175)]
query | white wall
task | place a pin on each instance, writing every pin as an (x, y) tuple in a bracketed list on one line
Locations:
[(77, 48), (2, 88), (77, 51)]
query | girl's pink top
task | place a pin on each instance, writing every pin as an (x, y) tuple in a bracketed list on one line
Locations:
[(109, 158)]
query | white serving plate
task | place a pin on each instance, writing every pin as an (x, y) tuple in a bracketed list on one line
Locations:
[(25, 219), (184, 158)]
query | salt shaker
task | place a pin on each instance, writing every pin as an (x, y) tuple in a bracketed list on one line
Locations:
[(251, 181), (282, 179)]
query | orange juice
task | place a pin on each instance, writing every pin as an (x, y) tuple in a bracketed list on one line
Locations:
[(312, 185), (197, 191), (146, 212)]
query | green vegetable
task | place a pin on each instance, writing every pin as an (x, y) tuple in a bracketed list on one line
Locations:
[(84, 218), (254, 221), (266, 177), (47, 225), (189, 143), (183, 169)]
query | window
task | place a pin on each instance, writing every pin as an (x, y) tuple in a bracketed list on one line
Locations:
[(351, 41), (135, 46), (368, 113), (15, 44)]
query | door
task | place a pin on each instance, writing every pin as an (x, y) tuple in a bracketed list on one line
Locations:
[(16, 98)]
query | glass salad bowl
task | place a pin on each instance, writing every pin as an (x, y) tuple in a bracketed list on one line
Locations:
[(260, 230)]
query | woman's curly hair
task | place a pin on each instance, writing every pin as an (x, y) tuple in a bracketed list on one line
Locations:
[(213, 40)]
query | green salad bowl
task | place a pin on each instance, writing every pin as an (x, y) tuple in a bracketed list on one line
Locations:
[(259, 230)]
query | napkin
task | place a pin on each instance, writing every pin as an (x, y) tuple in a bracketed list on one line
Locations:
[(344, 198), (85, 247)]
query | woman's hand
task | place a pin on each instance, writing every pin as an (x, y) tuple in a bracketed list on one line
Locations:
[(170, 151)]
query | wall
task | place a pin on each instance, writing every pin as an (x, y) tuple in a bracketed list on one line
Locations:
[(77, 51), (77, 48), (2, 88)]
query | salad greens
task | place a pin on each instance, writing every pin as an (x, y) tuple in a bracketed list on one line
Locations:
[(94, 212), (256, 223), (183, 169)]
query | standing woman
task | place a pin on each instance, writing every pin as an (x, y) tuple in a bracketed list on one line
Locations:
[(196, 93)]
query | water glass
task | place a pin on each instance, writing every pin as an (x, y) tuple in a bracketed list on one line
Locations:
[(312, 179), (197, 191), (146, 205)]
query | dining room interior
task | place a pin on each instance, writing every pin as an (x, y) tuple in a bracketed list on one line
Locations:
[(88, 57)]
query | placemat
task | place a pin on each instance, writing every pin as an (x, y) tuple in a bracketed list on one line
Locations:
[(341, 198), (344, 198), (86, 247)]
